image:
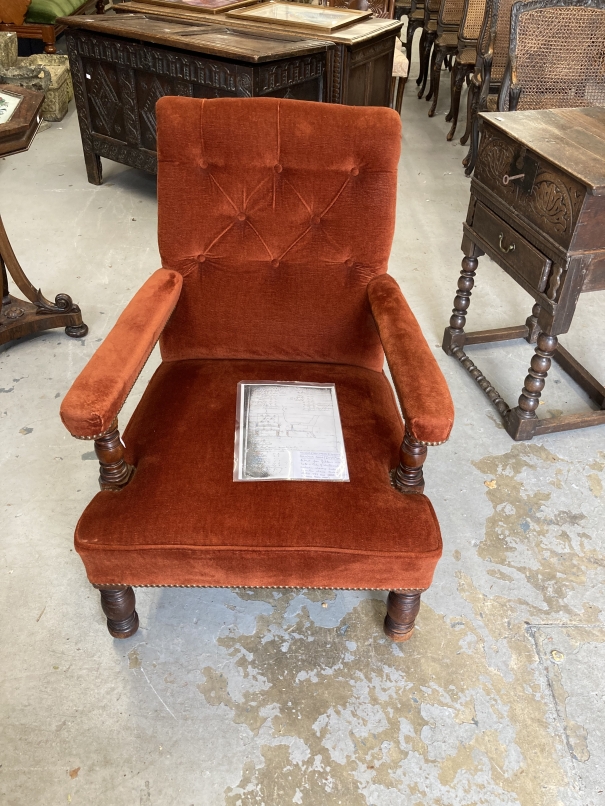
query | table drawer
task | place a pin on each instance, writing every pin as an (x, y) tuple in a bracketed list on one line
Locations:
[(511, 248)]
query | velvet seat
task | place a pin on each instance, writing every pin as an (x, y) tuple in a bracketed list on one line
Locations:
[(213, 531), (269, 273)]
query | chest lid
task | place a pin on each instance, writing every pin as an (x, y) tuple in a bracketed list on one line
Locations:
[(571, 139)]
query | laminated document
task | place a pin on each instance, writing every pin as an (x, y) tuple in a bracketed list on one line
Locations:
[(288, 431)]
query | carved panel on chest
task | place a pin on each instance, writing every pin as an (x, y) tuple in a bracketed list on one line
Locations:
[(118, 82), (553, 202)]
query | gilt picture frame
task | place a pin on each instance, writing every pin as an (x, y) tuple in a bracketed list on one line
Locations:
[(320, 19)]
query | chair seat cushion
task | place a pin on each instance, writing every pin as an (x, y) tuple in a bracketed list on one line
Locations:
[(182, 520), (47, 11)]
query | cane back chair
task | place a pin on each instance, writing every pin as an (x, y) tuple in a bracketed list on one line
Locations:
[(427, 40), (466, 56), (492, 57), (446, 44), (266, 275), (557, 55)]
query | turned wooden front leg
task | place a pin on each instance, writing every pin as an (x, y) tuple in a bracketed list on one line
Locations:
[(534, 382), (454, 334), (119, 606), (402, 609), (408, 476), (115, 473)]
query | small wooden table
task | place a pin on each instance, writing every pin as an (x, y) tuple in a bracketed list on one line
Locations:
[(537, 208), (17, 317)]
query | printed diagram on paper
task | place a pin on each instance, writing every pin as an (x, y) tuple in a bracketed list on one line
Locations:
[(290, 431)]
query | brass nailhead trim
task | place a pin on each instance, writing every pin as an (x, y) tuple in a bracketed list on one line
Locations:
[(256, 587)]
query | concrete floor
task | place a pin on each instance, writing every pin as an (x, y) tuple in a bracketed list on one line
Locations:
[(245, 698)]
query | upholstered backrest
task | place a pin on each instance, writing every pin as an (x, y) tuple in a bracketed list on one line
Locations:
[(277, 213)]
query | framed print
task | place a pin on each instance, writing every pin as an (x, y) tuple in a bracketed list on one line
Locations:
[(298, 15), (204, 6), (9, 102)]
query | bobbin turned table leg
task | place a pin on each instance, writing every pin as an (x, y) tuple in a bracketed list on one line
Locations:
[(522, 420), (402, 609), (454, 334)]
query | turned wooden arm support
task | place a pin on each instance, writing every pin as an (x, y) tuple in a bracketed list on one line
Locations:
[(423, 393), (90, 408)]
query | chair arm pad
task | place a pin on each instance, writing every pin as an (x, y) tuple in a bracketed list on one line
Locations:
[(421, 388), (99, 391)]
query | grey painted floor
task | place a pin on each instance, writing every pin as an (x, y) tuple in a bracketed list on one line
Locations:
[(274, 697)]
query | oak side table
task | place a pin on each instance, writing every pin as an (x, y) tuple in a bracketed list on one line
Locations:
[(17, 317), (537, 208)]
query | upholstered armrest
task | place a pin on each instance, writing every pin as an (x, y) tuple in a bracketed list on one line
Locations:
[(421, 388), (98, 393)]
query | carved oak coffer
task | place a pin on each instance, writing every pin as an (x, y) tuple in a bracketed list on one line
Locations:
[(121, 66), (537, 208)]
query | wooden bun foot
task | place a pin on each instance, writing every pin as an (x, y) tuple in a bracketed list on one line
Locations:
[(119, 606), (402, 609)]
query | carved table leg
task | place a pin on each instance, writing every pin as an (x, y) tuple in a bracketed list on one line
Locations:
[(408, 476), (119, 606), (115, 472), (402, 609), (454, 334), (521, 420)]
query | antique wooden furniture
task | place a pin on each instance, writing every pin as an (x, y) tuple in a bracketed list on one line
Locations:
[(315, 20), (427, 40), (383, 9), (415, 21), (446, 45), (466, 56), (537, 209), (266, 275), (122, 64), (37, 19), (401, 69), (570, 37), (19, 318), (132, 59), (358, 69), (492, 56)]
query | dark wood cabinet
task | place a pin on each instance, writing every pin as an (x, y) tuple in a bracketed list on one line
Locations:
[(122, 63), (537, 208), (121, 66)]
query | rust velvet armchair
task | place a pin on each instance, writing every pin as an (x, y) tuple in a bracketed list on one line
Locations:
[(272, 270)]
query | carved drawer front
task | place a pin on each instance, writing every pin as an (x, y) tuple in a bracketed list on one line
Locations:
[(510, 248), (536, 190)]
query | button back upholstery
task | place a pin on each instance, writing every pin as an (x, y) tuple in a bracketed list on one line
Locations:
[(275, 226), (275, 262)]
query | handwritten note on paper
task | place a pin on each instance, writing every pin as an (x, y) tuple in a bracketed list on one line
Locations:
[(289, 431)]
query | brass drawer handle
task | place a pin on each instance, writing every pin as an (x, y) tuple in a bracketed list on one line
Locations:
[(510, 248)]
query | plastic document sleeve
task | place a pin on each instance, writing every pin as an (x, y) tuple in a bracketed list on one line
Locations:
[(288, 431)]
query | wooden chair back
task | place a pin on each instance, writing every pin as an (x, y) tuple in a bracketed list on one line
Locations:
[(556, 55)]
